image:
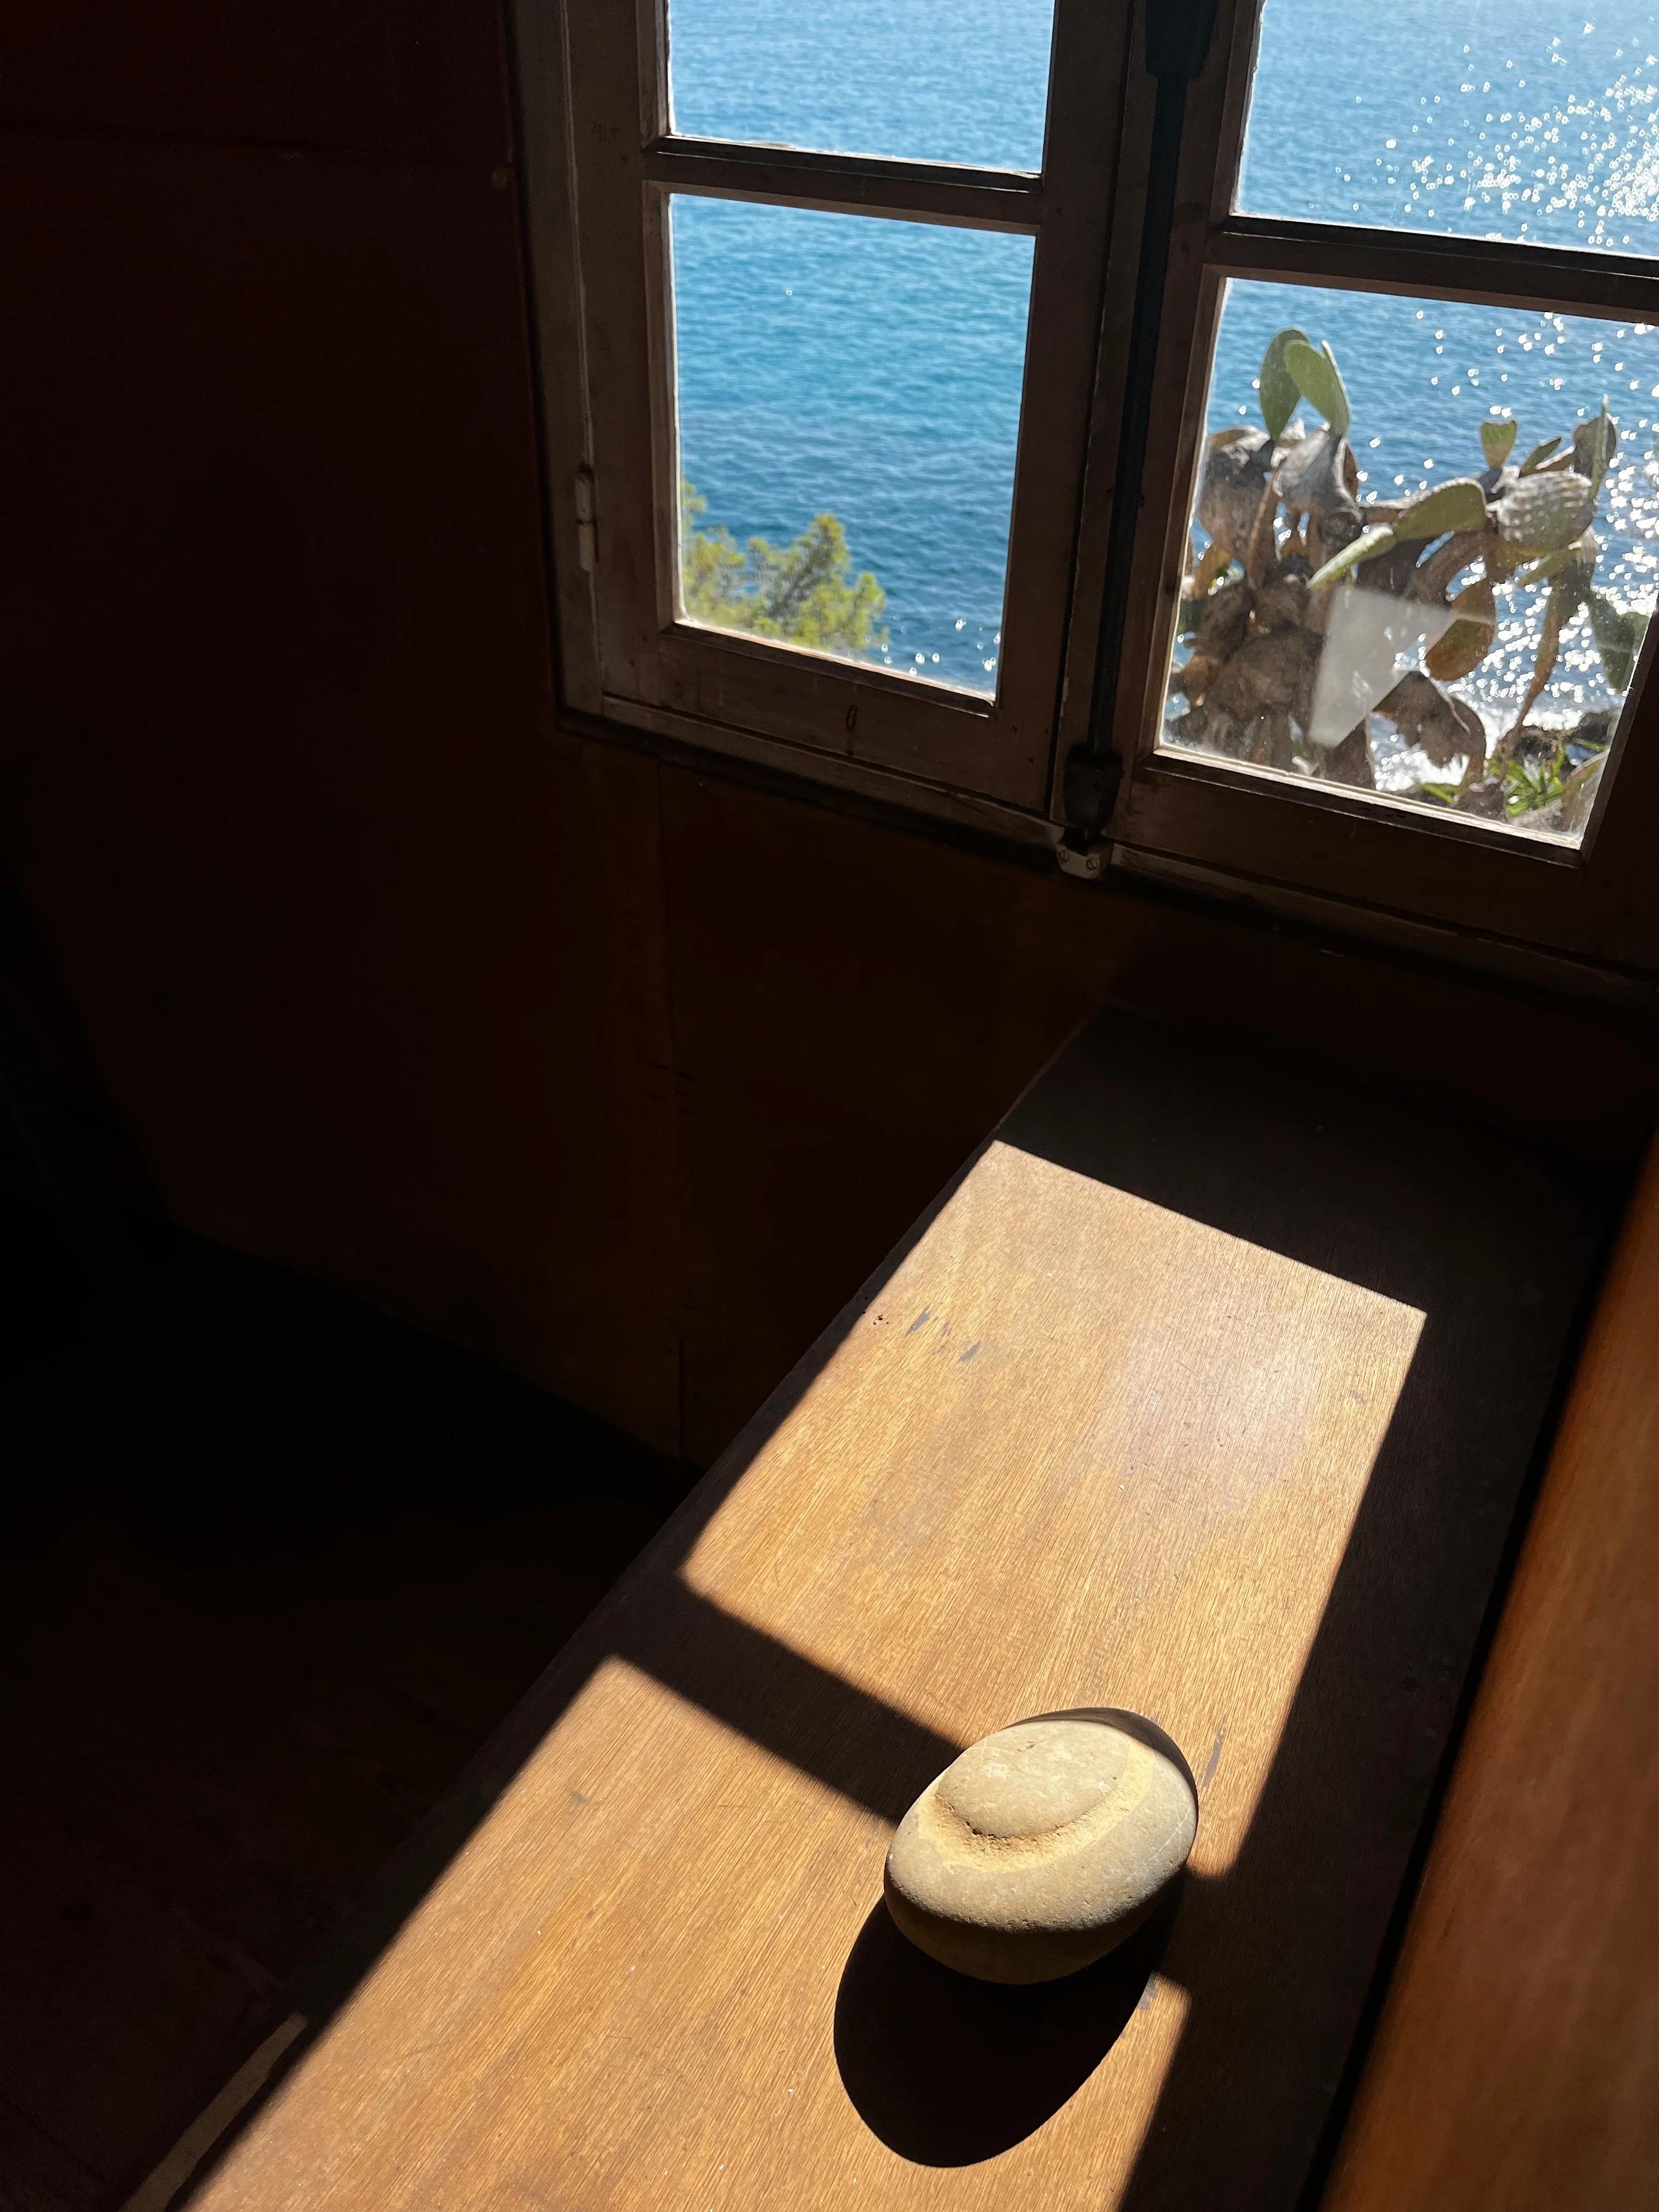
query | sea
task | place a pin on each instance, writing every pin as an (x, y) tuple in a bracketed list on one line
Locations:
[(875, 369)]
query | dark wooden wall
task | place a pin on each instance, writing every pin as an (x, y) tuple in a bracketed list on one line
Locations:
[(620, 1072)]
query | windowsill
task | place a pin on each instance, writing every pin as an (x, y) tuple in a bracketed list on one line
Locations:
[(1194, 1393)]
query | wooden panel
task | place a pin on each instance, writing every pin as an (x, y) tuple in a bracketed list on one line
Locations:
[(1516, 2066), (1195, 1394), (853, 1009), (397, 77), (40, 2174), (369, 957)]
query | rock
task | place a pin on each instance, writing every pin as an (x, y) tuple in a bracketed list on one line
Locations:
[(1043, 1846)]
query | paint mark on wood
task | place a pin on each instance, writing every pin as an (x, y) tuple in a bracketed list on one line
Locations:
[(1215, 1759)]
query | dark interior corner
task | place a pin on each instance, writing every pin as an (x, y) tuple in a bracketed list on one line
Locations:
[(274, 1566)]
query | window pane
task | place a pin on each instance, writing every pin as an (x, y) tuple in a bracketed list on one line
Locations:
[(1499, 119), (1473, 654), (849, 409), (958, 81)]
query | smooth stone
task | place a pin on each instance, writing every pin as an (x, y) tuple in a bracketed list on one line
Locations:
[(1044, 1846)]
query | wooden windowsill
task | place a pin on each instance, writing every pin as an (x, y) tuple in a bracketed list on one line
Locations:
[(1209, 1387)]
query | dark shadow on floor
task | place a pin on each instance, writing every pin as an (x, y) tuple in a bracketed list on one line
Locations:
[(948, 2071), (272, 1567)]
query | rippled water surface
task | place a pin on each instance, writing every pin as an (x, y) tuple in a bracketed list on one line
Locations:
[(1519, 119), (874, 368)]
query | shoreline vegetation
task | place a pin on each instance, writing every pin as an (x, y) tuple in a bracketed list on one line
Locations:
[(1302, 605), (802, 594)]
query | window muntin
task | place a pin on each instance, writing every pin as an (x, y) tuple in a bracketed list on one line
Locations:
[(963, 81), (1510, 120), (1478, 664), (849, 392)]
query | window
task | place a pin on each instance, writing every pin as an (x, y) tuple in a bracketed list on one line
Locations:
[(1476, 663), (825, 411), (1390, 644), (807, 406), (834, 306)]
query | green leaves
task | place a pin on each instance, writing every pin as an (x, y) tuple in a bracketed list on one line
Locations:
[(1319, 381), (804, 593), (1530, 784), (1454, 508), (1292, 369), (1539, 455), (1497, 441), (1458, 505), (1365, 547), (1619, 637), (1279, 389)]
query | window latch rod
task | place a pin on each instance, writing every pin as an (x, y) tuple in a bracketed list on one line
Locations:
[(1176, 42)]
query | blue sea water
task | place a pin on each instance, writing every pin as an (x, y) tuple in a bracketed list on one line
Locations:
[(874, 368), (871, 369)]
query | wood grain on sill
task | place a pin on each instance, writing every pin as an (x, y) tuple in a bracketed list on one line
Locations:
[(1194, 1393)]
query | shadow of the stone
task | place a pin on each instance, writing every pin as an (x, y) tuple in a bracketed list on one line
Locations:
[(948, 2071)]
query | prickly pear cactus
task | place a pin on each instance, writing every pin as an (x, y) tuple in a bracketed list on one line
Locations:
[(1544, 512), (1287, 539), (1498, 442)]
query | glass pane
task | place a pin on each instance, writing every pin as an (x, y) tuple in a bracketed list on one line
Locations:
[(1423, 549), (959, 81), (1499, 119), (848, 412)]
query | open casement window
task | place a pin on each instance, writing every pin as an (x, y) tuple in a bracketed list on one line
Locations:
[(827, 277), (1388, 638)]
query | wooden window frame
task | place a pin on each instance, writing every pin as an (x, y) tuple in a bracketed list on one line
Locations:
[(602, 163), (598, 161), (1213, 817)]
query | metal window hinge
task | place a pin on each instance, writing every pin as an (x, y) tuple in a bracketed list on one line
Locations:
[(587, 535)]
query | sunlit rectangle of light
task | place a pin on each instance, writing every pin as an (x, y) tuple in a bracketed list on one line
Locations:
[(1081, 1450)]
